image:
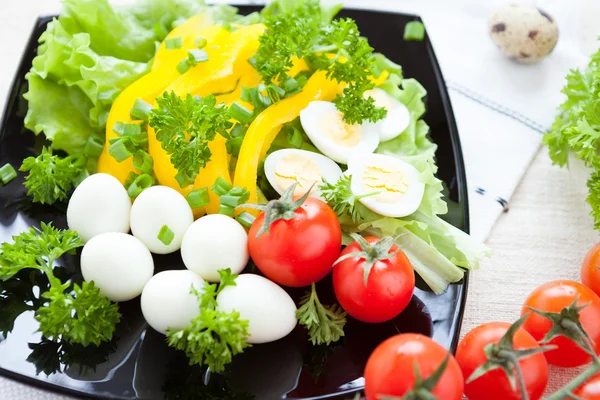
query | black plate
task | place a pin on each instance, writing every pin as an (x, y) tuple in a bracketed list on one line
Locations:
[(139, 365)]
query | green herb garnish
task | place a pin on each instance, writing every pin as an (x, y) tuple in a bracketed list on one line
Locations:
[(51, 177), (213, 337), (185, 127), (77, 314)]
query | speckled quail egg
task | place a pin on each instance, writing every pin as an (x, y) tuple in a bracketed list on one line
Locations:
[(523, 32)]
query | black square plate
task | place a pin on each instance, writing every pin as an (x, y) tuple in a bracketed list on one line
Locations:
[(138, 364)]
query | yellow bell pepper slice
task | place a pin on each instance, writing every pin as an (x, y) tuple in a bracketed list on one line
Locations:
[(188, 32), (218, 74), (207, 77), (267, 125), (146, 88)]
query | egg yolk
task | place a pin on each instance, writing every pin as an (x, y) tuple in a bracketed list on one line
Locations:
[(339, 132), (381, 99), (389, 183), (296, 168)]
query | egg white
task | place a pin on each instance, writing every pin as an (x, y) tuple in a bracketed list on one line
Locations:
[(328, 169), (395, 122), (317, 116), (407, 204)]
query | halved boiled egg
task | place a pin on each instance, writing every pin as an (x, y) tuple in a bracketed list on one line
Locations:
[(285, 167), (325, 126), (394, 185), (396, 120)]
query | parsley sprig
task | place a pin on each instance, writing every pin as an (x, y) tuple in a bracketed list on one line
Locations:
[(51, 177), (325, 324), (74, 313), (213, 337), (340, 198), (336, 47), (185, 127)]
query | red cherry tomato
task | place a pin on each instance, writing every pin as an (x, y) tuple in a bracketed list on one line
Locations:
[(590, 270), (298, 251), (590, 390), (388, 290), (495, 385), (553, 297), (390, 369)]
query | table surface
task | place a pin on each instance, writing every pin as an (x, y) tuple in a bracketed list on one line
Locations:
[(544, 235)]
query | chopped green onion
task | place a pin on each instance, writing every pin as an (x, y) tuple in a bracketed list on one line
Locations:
[(122, 129), (198, 198), (238, 130), (221, 187), (102, 118), (140, 110), (248, 94), (414, 30), (7, 173), (263, 95), (240, 113), (275, 92), (252, 61), (183, 66), (230, 201), (246, 219), (143, 161), (183, 179), (108, 96), (240, 192), (226, 210), (93, 147), (139, 184), (290, 85), (166, 235), (119, 151), (197, 56), (201, 42), (234, 145), (173, 43), (295, 138)]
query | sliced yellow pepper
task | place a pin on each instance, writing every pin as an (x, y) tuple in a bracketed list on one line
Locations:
[(209, 77), (146, 88), (218, 74), (267, 125)]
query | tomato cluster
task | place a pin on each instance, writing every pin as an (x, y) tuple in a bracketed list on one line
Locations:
[(301, 250), (559, 325)]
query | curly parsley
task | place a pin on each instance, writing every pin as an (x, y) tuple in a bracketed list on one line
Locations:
[(325, 324), (77, 314), (51, 177), (185, 127), (335, 47), (213, 337)]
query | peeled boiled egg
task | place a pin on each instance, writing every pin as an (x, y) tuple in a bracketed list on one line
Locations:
[(394, 185), (118, 263), (396, 120), (285, 167), (99, 204), (156, 207), (212, 243), (325, 126), (167, 301), (270, 311)]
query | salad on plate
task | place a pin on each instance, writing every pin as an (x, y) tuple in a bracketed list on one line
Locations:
[(270, 150)]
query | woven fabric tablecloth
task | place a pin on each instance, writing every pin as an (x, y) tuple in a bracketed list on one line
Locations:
[(543, 236)]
